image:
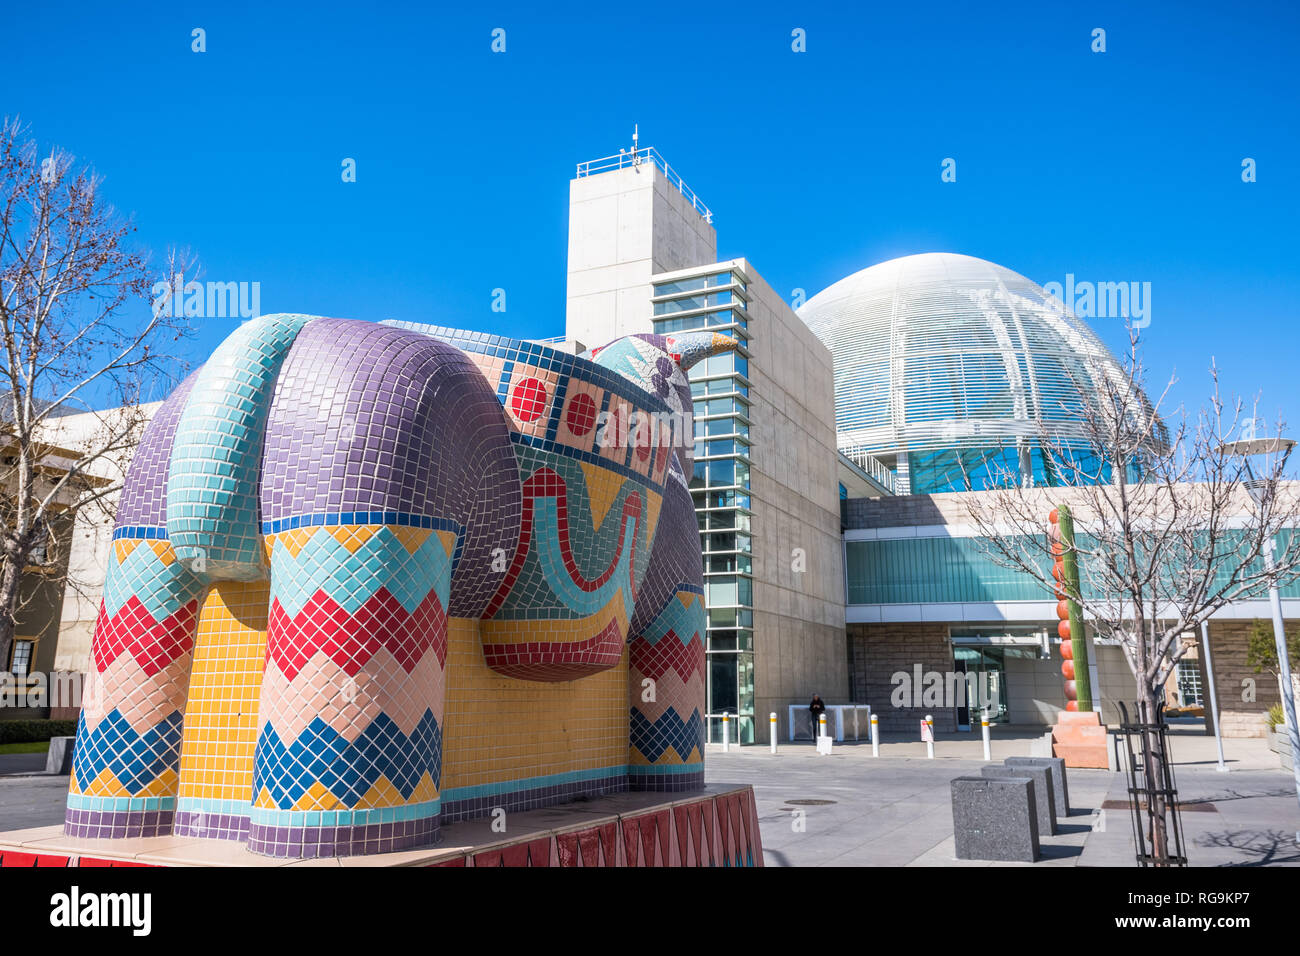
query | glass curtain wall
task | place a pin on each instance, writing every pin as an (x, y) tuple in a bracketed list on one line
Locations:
[(720, 487)]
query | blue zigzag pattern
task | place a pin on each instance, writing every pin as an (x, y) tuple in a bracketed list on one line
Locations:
[(677, 618), (653, 738), (135, 759), (161, 588), (352, 578), (347, 770)]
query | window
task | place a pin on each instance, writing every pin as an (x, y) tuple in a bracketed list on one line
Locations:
[(669, 326), (21, 658), (729, 564), (693, 302), (41, 552), (1189, 683), (725, 364), (722, 473), (727, 499)]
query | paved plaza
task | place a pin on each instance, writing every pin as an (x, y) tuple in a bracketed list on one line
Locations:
[(895, 809)]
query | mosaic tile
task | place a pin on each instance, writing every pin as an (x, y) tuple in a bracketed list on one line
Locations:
[(370, 577)]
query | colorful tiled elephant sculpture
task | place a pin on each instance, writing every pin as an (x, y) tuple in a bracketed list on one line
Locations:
[(367, 578)]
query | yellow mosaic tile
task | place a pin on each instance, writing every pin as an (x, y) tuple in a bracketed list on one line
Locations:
[(496, 728), (221, 717)]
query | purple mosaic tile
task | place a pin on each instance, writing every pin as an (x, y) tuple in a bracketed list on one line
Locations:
[(103, 825), (144, 494), (313, 842)]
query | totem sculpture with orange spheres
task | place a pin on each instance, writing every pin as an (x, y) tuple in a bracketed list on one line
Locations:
[(1074, 647), (1079, 736)]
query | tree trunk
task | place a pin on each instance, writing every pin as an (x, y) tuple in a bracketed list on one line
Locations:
[(1153, 764)]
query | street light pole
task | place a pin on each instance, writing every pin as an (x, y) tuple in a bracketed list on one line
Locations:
[(1255, 487), (1214, 697), (1284, 667)]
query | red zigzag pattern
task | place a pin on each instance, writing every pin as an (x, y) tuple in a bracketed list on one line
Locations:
[(351, 640), (655, 660), (133, 630)]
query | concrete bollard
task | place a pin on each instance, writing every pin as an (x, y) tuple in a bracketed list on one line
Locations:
[(984, 729), (771, 721), (875, 736), (726, 734), (929, 744)]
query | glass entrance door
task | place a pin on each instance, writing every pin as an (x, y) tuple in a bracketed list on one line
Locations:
[(730, 691), (986, 684)]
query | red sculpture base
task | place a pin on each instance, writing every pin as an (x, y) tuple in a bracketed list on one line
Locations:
[(715, 827), (1080, 738)]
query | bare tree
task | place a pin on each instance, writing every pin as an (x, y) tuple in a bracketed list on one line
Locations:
[(1168, 528), (77, 333)]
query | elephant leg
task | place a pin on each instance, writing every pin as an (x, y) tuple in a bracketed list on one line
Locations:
[(126, 765), (349, 750), (666, 695)]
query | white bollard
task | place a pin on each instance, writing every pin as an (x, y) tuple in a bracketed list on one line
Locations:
[(929, 744), (771, 721), (875, 736), (726, 734), (984, 729), (821, 725)]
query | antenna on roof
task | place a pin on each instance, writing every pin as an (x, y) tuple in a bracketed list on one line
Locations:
[(636, 157)]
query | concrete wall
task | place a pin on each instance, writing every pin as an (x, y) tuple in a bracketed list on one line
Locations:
[(92, 539), (624, 226), (1116, 682), (1235, 681), (92, 535), (1035, 690), (878, 651), (799, 644)]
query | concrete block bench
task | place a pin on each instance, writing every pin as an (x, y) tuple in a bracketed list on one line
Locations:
[(1060, 786), (1045, 802), (994, 818)]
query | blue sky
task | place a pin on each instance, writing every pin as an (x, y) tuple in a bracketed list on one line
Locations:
[(1119, 166)]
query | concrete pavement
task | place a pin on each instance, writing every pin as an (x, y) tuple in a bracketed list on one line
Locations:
[(852, 809), (896, 810)]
